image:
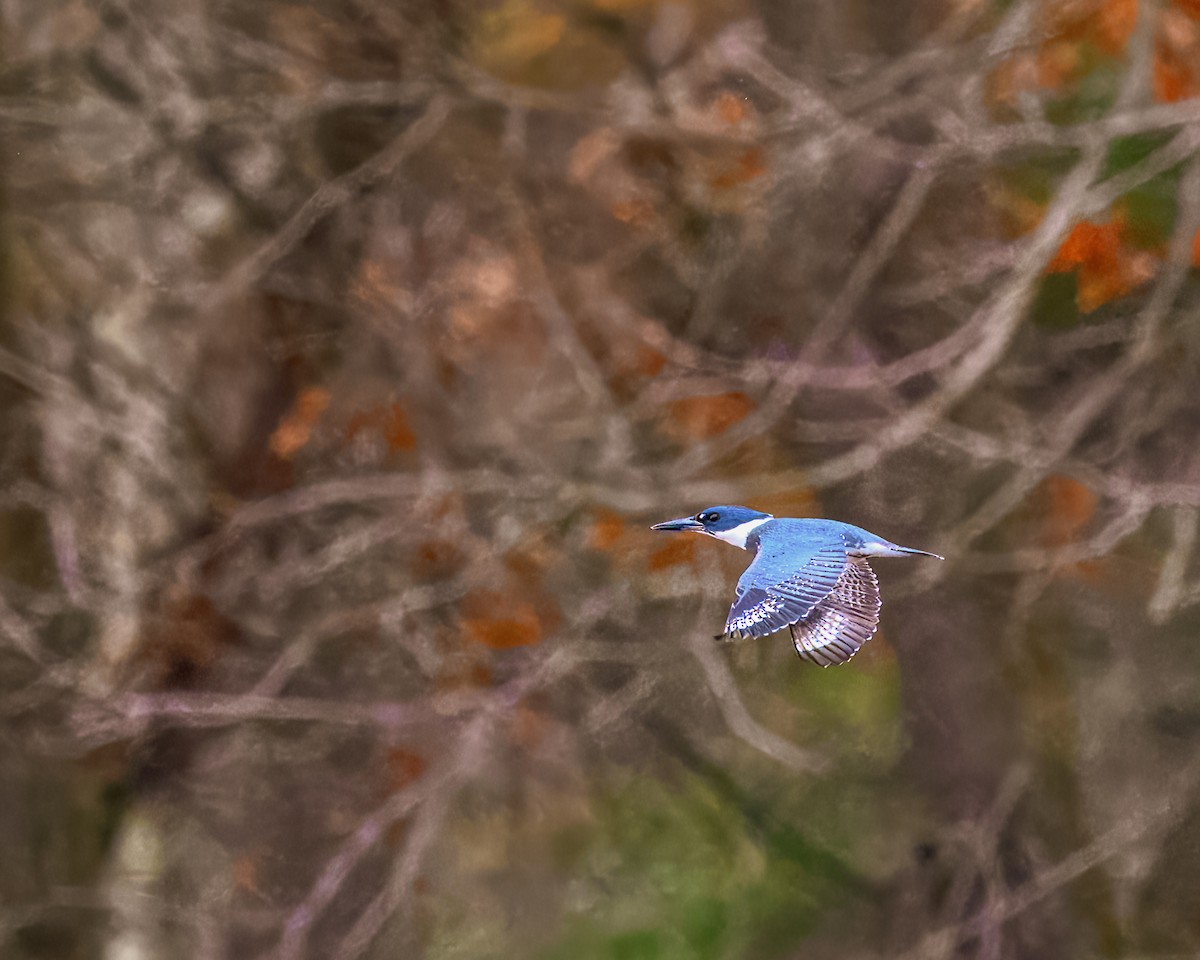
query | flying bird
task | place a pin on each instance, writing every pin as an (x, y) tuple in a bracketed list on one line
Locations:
[(810, 576)]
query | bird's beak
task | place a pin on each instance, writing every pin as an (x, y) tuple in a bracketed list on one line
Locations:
[(683, 523)]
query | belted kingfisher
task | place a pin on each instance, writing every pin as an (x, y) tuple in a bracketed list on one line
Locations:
[(810, 576)]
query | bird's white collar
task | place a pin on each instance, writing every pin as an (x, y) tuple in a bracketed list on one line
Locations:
[(741, 533)]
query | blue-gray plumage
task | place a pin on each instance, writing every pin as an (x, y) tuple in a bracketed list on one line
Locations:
[(810, 576)]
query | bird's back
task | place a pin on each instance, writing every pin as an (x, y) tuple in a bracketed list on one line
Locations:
[(799, 538)]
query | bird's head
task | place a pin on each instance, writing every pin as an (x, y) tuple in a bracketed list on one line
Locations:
[(731, 524)]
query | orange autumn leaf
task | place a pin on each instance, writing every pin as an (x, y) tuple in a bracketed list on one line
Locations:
[(469, 676), (1068, 27), (397, 432), (360, 421), (592, 153), (529, 726), (1114, 25), (245, 874), (1098, 288), (731, 108), (750, 165), (390, 422), (436, 560), (1013, 77), (1057, 63), (1018, 213), (1176, 57), (1067, 507), (403, 767), (1094, 573), (636, 212), (1190, 7), (1106, 23), (1196, 249), (699, 418), (378, 284), (500, 621), (526, 565), (678, 550), (293, 434), (312, 403), (1087, 243), (1106, 268), (511, 34), (630, 363), (500, 634), (530, 559), (608, 527), (649, 362), (1174, 80), (1068, 19)]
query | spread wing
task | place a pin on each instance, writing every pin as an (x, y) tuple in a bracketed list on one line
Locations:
[(776, 592), (844, 620)]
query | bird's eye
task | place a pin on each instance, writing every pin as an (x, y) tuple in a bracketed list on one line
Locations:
[(714, 517)]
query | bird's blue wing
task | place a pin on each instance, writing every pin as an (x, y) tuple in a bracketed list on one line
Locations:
[(842, 622), (782, 587)]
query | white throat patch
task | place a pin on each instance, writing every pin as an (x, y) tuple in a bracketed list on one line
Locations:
[(739, 534)]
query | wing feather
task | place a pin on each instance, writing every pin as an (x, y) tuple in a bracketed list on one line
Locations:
[(844, 620), (767, 602)]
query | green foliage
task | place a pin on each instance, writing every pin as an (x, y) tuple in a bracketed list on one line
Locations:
[(1150, 212), (855, 711), (677, 874), (707, 868), (1127, 152), (1149, 208), (1054, 307), (1093, 94)]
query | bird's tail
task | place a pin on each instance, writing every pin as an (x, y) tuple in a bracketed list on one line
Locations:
[(884, 548), (905, 551)]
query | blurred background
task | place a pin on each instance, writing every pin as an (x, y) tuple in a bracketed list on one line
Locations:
[(349, 347)]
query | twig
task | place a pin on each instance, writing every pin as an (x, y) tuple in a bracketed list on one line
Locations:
[(999, 319), (294, 941), (724, 688), (1169, 590), (327, 198), (397, 893), (1139, 824)]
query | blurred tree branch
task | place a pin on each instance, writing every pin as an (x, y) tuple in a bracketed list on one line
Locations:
[(348, 349)]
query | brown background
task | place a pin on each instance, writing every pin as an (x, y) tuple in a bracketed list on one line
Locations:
[(347, 349)]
